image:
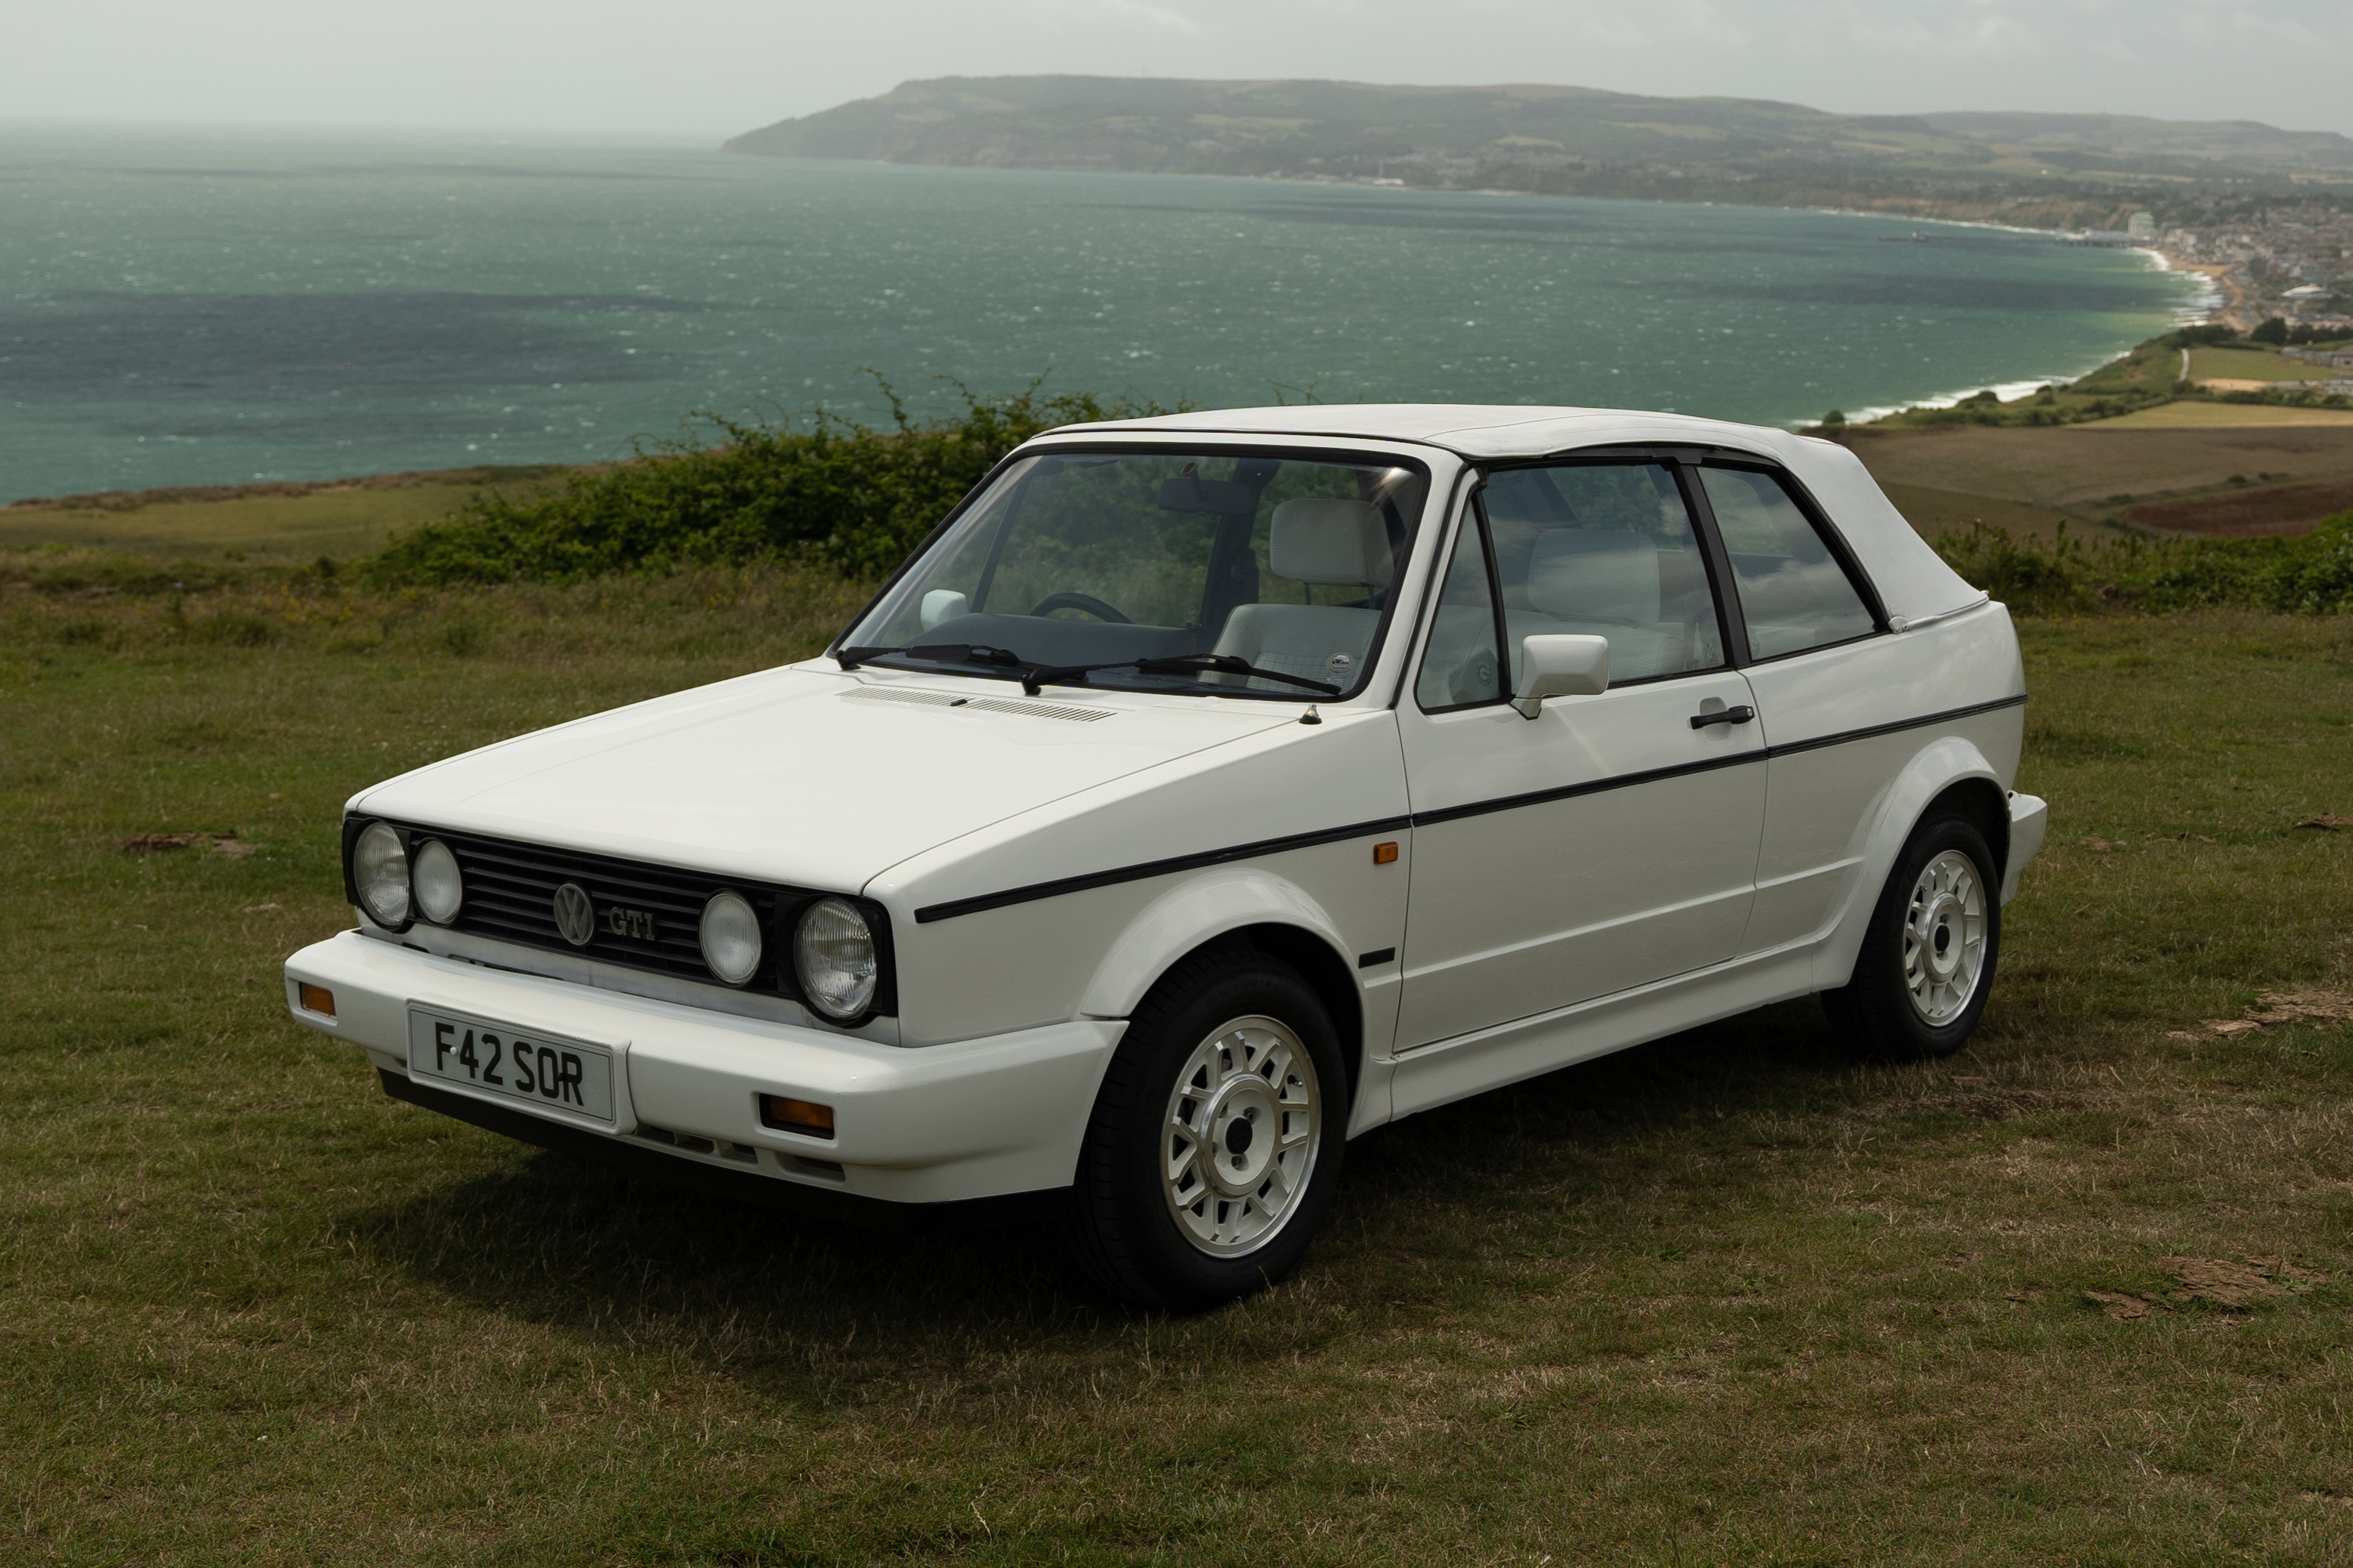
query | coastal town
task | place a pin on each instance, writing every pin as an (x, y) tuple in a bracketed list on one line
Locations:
[(2293, 261)]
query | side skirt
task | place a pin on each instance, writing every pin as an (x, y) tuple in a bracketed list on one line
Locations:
[(1449, 1071)]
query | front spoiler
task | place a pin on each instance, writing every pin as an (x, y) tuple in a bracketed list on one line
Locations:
[(798, 1199)]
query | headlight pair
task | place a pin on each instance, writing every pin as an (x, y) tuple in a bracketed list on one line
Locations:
[(835, 955), (390, 883)]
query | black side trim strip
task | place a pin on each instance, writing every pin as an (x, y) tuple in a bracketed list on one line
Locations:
[(1590, 786), (1376, 958), (1136, 873), (743, 1186), (1056, 889), (1790, 748)]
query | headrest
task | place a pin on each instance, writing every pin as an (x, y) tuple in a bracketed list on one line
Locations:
[(1595, 575), (1323, 539)]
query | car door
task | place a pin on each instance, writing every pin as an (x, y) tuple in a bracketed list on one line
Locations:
[(1825, 680), (1612, 839)]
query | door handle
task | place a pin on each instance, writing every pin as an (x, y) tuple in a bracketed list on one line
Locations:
[(1740, 715)]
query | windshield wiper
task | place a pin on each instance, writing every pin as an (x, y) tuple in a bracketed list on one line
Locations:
[(1174, 664), (945, 653)]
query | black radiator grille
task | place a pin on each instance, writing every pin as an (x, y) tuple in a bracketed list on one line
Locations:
[(647, 917)]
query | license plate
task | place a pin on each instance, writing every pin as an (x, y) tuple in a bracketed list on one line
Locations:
[(550, 1072)]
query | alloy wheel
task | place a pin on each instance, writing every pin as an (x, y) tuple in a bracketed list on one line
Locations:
[(1244, 1124)]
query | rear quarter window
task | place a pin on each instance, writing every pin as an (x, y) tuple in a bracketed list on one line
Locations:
[(1794, 594)]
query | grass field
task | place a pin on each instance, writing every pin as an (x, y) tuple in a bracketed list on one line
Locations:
[(2243, 362), (2029, 479), (2196, 415), (264, 522), (1724, 1298)]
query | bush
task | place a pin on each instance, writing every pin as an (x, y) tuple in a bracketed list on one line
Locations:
[(2272, 330), (2313, 574), (856, 500)]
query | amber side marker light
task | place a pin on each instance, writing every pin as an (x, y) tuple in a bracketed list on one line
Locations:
[(317, 999), (1384, 854), (795, 1116)]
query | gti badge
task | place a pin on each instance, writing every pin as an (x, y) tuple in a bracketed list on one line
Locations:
[(576, 917)]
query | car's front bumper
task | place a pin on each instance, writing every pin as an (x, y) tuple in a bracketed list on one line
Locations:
[(934, 1124)]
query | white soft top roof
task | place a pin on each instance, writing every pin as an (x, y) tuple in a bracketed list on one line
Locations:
[(1914, 582)]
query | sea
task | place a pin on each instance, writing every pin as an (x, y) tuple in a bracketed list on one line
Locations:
[(184, 307)]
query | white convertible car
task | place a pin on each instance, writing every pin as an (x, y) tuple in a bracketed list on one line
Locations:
[(1208, 790)]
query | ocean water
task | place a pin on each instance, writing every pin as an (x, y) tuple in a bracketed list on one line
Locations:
[(199, 307)]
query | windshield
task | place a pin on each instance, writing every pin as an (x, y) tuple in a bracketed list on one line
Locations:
[(1251, 573)]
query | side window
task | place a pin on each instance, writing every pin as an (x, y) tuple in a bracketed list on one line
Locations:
[(1606, 550), (1793, 592), (1459, 668)]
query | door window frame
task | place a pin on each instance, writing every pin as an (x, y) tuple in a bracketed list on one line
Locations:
[(1732, 632)]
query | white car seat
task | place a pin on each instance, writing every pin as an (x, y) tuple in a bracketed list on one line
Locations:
[(1320, 540), (1602, 582)]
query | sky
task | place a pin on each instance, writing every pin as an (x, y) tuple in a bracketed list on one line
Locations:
[(711, 68)]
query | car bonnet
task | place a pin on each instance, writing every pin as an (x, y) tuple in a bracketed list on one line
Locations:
[(806, 777)]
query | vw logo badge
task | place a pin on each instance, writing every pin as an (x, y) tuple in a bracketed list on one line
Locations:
[(576, 917)]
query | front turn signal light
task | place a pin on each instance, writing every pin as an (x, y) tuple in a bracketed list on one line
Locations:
[(1385, 854), (788, 1115), (316, 999)]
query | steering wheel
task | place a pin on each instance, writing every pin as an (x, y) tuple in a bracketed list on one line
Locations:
[(1066, 600)]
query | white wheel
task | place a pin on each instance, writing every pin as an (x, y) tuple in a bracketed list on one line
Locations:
[(1244, 1125), (1944, 938)]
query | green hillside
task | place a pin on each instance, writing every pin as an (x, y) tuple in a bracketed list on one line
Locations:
[(2040, 168)]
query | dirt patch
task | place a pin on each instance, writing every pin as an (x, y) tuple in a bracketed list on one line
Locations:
[(2234, 1284), (2327, 823), (2273, 509), (2222, 1281), (2284, 1007), (228, 844)]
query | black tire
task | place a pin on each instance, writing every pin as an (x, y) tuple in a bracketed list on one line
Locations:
[(1122, 1229), (1874, 1009)]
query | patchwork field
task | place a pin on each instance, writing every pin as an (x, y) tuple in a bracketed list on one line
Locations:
[(2218, 478), (2078, 1295)]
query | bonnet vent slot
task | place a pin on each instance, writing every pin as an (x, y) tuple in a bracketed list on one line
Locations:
[(1034, 709)]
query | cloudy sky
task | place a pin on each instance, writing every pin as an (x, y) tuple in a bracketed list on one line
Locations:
[(712, 67)]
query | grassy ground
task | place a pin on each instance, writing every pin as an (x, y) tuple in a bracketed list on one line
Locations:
[(2194, 415), (1725, 1299), (2247, 361), (264, 522)]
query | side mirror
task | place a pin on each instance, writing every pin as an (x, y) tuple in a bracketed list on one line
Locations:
[(942, 605), (1560, 667)]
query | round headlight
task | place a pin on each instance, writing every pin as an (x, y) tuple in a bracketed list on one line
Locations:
[(380, 873), (731, 937), (833, 949), (440, 891)]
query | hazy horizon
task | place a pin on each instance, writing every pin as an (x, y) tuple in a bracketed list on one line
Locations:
[(619, 67)]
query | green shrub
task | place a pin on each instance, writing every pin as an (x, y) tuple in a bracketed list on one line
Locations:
[(856, 500), (2312, 573)]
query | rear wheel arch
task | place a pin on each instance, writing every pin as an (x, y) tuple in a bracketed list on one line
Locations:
[(1985, 806)]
